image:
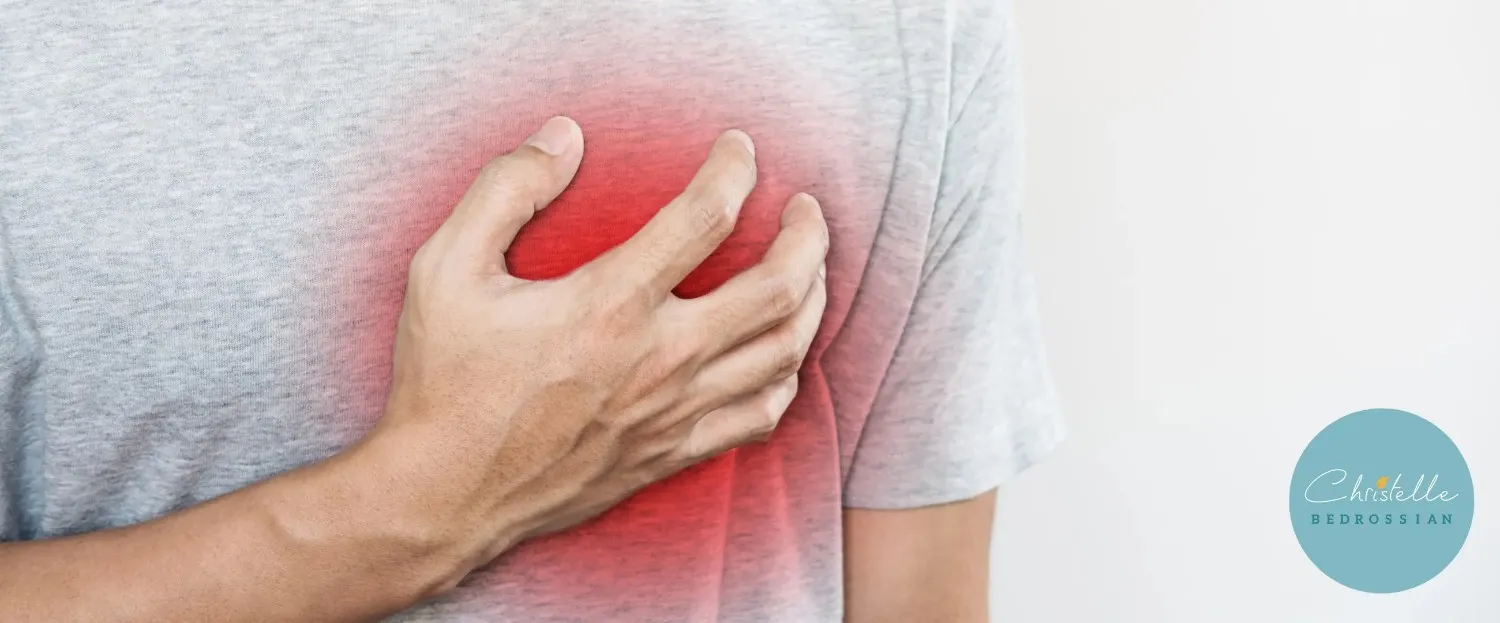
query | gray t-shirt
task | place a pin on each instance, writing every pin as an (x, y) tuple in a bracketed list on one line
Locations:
[(206, 210)]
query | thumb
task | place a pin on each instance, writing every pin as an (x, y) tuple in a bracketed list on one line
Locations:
[(510, 189)]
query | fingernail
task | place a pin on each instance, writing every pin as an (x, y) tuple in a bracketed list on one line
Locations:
[(554, 137), (823, 269)]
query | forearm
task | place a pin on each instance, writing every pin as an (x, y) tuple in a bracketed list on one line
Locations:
[(323, 543)]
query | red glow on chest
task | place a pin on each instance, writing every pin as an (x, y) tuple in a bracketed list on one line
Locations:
[(643, 143), (629, 172)]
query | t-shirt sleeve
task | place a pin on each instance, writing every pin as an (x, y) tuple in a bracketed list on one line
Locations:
[(966, 401)]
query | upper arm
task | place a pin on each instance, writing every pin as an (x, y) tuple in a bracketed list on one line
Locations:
[(966, 400), (921, 564)]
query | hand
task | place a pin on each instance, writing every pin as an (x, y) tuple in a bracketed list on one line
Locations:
[(519, 408)]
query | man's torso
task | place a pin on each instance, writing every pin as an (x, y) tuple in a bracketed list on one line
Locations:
[(208, 208)]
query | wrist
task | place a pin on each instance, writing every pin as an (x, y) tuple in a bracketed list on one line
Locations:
[(413, 491), (367, 521), (400, 507)]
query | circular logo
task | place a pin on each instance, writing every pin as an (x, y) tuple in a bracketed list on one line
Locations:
[(1381, 500)]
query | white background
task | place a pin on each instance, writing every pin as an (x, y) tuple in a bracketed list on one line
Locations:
[(1248, 218)]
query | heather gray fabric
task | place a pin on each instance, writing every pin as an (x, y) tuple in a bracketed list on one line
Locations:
[(206, 207)]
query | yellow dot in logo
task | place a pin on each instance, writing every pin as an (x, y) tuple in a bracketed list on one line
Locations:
[(1380, 484)]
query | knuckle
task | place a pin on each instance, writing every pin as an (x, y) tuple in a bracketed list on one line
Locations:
[(781, 295), (604, 341), (789, 355), (494, 172), (770, 418), (712, 210), (614, 325), (789, 385), (426, 269), (616, 306), (513, 175)]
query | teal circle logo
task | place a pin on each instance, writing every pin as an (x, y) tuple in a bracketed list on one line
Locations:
[(1381, 500)]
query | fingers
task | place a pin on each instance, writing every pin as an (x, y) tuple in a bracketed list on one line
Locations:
[(510, 190), (765, 359), (767, 293), (689, 228), (752, 418)]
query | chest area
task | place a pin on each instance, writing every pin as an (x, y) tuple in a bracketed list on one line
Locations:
[(212, 245)]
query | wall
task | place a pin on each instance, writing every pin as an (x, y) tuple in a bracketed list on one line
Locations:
[(1249, 218)]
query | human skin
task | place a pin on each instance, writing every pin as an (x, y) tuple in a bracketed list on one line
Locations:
[(517, 408), (921, 564)]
